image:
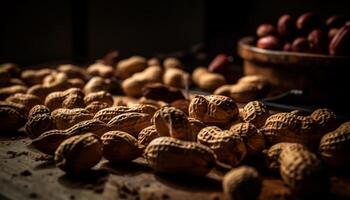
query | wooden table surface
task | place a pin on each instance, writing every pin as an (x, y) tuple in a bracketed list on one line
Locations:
[(28, 174)]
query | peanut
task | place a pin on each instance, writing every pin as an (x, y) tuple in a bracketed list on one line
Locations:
[(242, 183), (10, 68), (34, 77), (101, 96), (160, 92), (11, 119), (172, 122), (73, 72), (71, 98), (252, 137), (301, 170), (255, 112), (127, 67), (131, 123), (181, 104), (172, 62), (76, 83), (170, 155), (96, 84), (146, 136), (99, 69), (325, 118), (107, 114), (79, 153), (228, 147), (119, 146), (274, 152), (335, 146), (65, 118), (196, 126), (213, 109), (11, 90), (133, 85), (27, 100), (59, 83), (39, 121), (207, 80), (176, 78), (96, 106), (153, 61), (50, 140), (18, 107), (289, 127)]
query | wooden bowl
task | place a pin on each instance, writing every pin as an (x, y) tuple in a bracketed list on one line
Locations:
[(321, 77)]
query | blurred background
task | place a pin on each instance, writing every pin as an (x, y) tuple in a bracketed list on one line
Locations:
[(80, 31)]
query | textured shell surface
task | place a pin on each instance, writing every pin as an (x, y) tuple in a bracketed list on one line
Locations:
[(171, 155), (255, 112)]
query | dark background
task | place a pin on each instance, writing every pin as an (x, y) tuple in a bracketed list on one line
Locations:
[(36, 31)]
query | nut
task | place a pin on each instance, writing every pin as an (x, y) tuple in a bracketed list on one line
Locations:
[(255, 112), (96, 84), (160, 92), (196, 126), (127, 67), (39, 121), (96, 106), (228, 146), (11, 90), (335, 21), (213, 109), (266, 30), (308, 21), (253, 139), (73, 71), (172, 62), (78, 154), (207, 80), (170, 121), (242, 183), (302, 171), (318, 40), (301, 44), (107, 114), (50, 140), (269, 42), (170, 155), (131, 123), (65, 118), (146, 136), (100, 69), (133, 86), (340, 43), (27, 100), (176, 78), (119, 146), (11, 119), (101, 96), (286, 26), (335, 146), (71, 98), (274, 152), (34, 77)]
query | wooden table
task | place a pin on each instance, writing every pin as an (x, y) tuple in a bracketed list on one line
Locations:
[(28, 174)]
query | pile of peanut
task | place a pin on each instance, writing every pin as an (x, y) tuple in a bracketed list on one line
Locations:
[(69, 113)]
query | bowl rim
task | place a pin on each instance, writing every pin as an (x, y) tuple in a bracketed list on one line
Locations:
[(245, 44)]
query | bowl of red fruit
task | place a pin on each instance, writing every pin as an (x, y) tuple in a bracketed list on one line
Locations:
[(309, 53)]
